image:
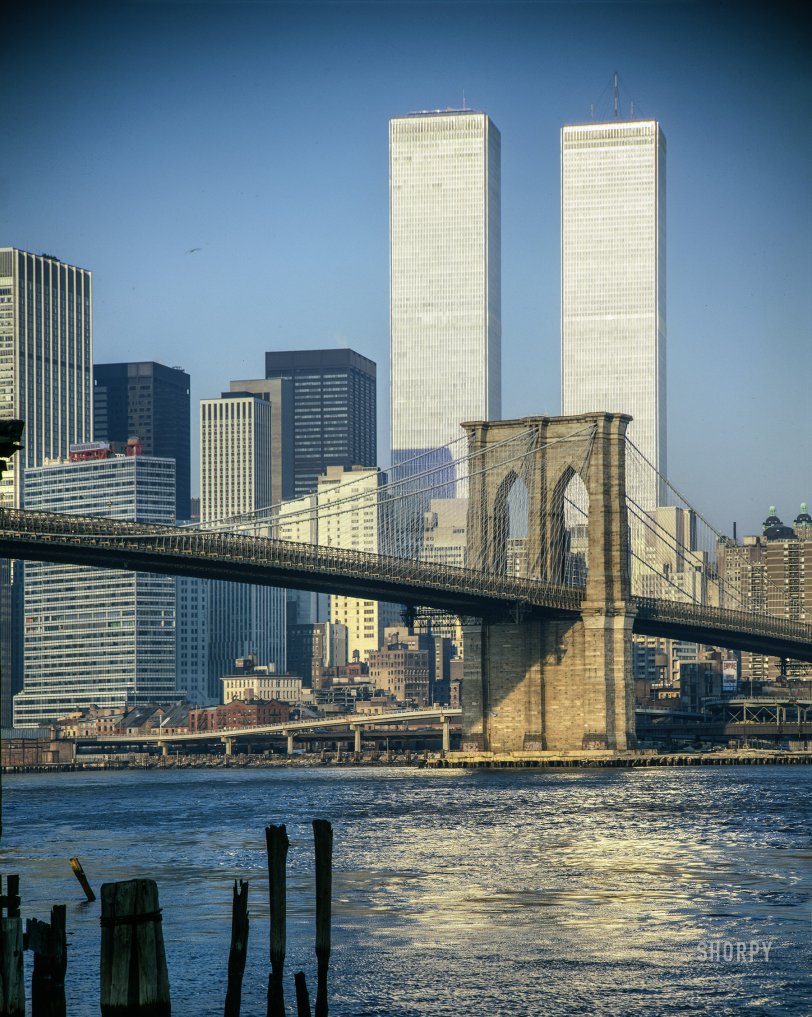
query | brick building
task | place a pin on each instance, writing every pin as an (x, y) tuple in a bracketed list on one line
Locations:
[(402, 672), (238, 714)]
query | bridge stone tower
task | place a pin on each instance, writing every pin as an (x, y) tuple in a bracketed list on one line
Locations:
[(539, 683)]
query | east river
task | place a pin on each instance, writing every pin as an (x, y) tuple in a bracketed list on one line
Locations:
[(481, 894)]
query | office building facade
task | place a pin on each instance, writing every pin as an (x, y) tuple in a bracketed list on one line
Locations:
[(445, 280), (334, 410), (148, 401), (192, 639), (771, 573), (235, 456), (236, 480), (279, 393), (97, 637), (46, 356), (613, 303)]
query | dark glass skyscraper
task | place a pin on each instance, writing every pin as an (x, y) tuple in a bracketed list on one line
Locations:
[(334, 410), (151, 402)]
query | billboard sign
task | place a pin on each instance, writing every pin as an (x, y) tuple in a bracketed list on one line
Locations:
[(730, 676)]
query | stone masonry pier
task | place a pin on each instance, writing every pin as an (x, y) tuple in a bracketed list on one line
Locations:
[(542, 684)]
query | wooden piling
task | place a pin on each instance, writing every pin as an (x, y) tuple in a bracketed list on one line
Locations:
[(50, 948), (323, 839), (12, 977), (276, 839), (302, 995), (239, 945), (12, 980), (79, 872), (134, 978), (10, 899)]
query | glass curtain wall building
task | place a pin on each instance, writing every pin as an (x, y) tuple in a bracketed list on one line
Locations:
[(334, 410), (445, 280), (613, 331), (97, 637)]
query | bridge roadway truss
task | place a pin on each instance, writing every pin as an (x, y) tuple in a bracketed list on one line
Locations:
[(173, 550)]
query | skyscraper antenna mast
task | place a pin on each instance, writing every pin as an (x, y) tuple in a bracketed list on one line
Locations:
[(616, 94)]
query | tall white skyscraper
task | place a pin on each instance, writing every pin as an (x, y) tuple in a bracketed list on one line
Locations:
[(613, 331), (445, 277)]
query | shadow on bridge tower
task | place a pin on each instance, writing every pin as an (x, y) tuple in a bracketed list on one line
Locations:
[(540, 683)]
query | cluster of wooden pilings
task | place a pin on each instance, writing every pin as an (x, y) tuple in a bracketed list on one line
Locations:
[(47, 942), (134, 979), (276, 838)]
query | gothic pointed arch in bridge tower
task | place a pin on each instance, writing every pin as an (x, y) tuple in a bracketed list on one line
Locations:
[(540, 683)]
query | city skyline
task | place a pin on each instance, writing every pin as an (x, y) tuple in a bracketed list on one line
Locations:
[(142, 185)]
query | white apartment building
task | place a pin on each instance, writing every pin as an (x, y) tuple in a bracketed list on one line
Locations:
[(445, 529), (297, 520), (613, 321), (445, 277), (258, 685), (235, 456), (236, 480), (358, 489)]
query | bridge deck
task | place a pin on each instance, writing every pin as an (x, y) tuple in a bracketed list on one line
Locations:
[(244, 558)]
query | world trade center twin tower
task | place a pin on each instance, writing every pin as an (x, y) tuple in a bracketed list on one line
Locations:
[(445, 285)]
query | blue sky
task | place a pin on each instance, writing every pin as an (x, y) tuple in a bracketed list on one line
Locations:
[(133, 132)]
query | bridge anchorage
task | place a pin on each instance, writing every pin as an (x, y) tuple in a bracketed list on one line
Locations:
[(548, 604)]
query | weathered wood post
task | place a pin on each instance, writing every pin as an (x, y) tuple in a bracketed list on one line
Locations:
[(50, 949), (134, 979), (239, 945), (276, 839), (10, 900), (323, 839), (79, 872), (12, 981), (12, 977), (302, 995)]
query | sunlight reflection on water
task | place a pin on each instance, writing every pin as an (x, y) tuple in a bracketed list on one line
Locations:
[(472, 893)]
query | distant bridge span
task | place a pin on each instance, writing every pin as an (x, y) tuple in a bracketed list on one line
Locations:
[(104, 543), (354, 723)]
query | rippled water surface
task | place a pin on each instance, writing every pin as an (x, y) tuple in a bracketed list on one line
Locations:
[(464, 893)]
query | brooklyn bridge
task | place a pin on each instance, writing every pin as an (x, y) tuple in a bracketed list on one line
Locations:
[(565, 559)]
